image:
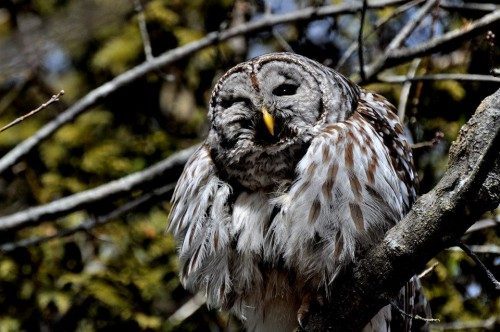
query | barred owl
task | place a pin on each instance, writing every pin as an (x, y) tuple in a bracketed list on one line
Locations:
[(301, 172)]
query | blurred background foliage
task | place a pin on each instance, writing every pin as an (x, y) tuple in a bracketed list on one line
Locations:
[(123, 274)]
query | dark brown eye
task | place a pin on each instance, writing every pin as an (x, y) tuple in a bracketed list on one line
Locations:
[(226, 103), (285, 90)]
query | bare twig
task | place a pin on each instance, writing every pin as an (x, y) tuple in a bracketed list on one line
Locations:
[(405, 90), (451, 6), (482, 224), (163, 172), (487, 273), (480, 249), (360, 41), (447, 41), (187, 309), (90, 223), (426, 144), (375, 67), (428, 270), (487, 324), (169, 57), (468, 7), (380, 23), (439, 77), (53, 99), (490, 40), (282, 41), (416, 317), (438, 136), (146, 41)]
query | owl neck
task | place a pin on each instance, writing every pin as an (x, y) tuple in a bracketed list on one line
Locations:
[(257, 169)]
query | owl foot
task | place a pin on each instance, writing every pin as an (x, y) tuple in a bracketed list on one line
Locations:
[(309, 301), (303, 312)]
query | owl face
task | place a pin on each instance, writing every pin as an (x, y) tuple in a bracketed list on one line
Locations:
[(263, 114)]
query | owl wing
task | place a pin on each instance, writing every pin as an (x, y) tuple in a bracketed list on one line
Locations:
[(346, 195), (381, 114), (199, 221)]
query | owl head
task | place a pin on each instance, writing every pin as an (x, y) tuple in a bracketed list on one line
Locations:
[(264, 113)]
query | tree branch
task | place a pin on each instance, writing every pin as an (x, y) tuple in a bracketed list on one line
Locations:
[(469, 187), (90, 223), (483, 224), (484, 270), (482, 325), (52, 99), (439, 77), (95, 96), (468, 7), (146, 41), (166, 171), (450, 6), (405, 90), (360, 41), (376, 66), (376, 27), (448, 41)]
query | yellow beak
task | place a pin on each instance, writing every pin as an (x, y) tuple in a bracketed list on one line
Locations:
[(268, 120)]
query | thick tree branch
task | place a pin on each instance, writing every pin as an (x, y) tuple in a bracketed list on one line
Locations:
[(470, 186), (166, 171)]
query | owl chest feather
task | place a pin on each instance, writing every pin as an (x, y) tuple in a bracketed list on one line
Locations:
[(260, 169)]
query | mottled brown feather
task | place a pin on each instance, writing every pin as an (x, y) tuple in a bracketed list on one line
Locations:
[(357, 216), (314, 212)]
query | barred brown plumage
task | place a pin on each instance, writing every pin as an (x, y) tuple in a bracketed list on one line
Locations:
[(301, 171)]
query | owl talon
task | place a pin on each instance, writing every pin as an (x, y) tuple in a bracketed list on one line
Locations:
[(321, 300), (303, 312), (308, 301)]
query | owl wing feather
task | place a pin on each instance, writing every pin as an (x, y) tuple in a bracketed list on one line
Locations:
[(346, 195), (199, 221)]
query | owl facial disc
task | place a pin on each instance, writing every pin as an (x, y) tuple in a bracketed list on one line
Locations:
[(265, 112)]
